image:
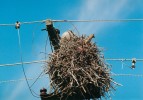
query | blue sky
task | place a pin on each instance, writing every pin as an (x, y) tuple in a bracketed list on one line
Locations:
[(119, 39)]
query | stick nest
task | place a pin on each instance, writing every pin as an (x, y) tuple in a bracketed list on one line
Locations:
[(78, 70)]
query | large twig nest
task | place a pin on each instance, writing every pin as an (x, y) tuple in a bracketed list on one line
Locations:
[(77, 69)]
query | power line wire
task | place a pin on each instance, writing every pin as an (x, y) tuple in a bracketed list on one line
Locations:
[(37, 79), (21, 58), (19, 80), (7, 24), (44, 61), (122, 59), (31, 22), (19, 63), (134, 75), (100, 20), (94, 20)]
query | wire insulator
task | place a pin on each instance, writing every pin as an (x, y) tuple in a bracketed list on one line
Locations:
[(17, 25), (133, 63), (134, 60)]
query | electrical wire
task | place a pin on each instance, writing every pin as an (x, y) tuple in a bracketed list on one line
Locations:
[(33, 35), (44, 61), (94, 20), (39, 76), (22, 65), (74, 27), (20, 80), (100, 20), (134, 75), (7, 24), (31, 22), (121, 59)]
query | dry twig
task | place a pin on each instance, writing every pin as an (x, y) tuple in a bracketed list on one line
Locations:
[(77, 69)]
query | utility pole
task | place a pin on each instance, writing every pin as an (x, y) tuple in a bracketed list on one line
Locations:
[(53, 34), (54, 38)]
